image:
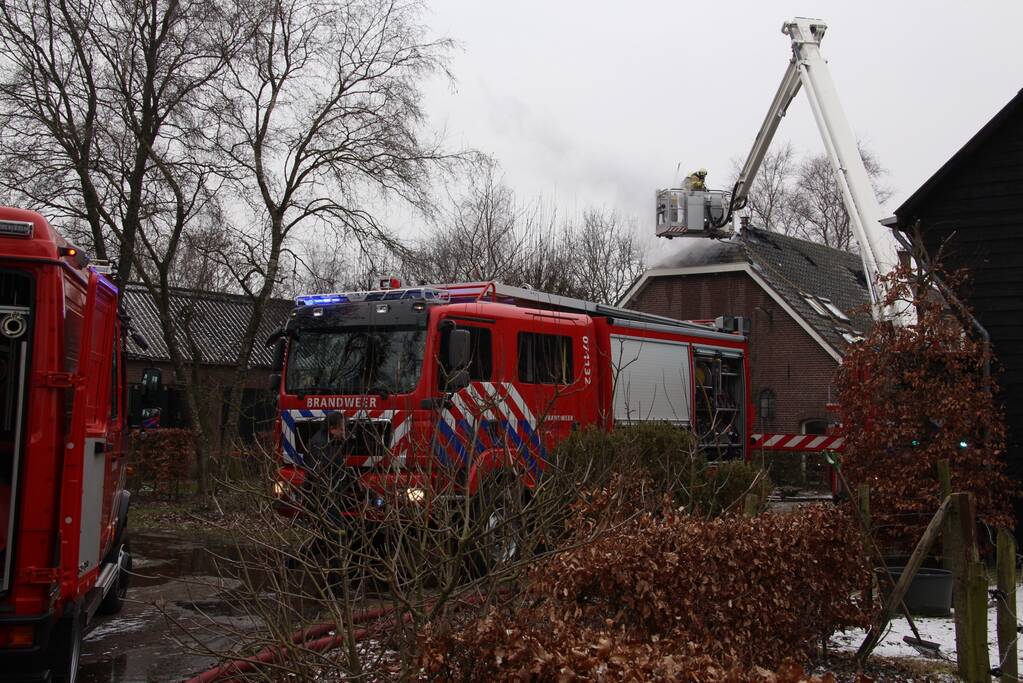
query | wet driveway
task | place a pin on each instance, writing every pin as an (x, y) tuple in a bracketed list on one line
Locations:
[(173, 586)]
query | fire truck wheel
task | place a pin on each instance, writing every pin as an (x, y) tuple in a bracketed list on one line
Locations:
[(66, 646), (114, 600), (499, 523)]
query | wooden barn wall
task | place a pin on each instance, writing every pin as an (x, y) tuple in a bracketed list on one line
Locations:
[(974, 216)]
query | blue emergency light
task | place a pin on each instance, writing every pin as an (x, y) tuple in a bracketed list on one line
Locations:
[(420, 293), (320, 299)]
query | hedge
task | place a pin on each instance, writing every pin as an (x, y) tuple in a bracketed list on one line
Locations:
[(670, 597)]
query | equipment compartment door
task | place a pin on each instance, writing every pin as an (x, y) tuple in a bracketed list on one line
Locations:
[(15, 333), (84, 504), (652, 380)]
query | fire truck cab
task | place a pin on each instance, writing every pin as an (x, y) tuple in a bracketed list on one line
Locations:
[(446, 378), (63, 506)]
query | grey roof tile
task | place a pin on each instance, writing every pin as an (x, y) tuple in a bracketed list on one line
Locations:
[(211, 323)]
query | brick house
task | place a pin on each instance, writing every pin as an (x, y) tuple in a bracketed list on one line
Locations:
[(212, 324), (806, 302)]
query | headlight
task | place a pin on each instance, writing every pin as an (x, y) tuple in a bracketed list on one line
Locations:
[(415, 495), (280, 488)]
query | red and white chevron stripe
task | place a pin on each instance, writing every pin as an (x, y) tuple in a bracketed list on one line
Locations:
[(804, 443)]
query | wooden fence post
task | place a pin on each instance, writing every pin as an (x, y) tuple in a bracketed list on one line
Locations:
[(1007, 648), (864, 496), (969, 591), (864, 501), (752, 504), (945, 482), (902, 585), (953, 548), (977, 606)]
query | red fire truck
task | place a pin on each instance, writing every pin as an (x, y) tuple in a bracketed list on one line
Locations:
[(63, 507), (458, 376)]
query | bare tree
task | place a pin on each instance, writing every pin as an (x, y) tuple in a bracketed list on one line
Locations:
[(800, 196), (770, 197), (545, 260), (99, 111), (487, 234), (817, 206), (606, 256), (317, 266), (477, 235), (93, 96), (320, 112)]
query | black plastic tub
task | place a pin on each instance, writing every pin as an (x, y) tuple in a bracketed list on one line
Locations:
[(929, 594)]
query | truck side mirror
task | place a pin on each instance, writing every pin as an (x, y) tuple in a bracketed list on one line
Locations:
[(458, 350), (274, 337), (140, 341), (277, 364), (274, 381)]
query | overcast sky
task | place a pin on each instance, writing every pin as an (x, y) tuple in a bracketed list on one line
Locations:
[(599, 102)]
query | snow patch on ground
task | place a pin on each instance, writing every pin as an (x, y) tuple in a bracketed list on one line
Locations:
[(118, 626), (938, 630)]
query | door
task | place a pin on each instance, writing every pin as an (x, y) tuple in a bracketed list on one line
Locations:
[(552, 376), (85, 503)]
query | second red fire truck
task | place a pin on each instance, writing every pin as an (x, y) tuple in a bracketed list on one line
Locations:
[(459, 376)]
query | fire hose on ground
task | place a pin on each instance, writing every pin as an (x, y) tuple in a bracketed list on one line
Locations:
[(316, 638)]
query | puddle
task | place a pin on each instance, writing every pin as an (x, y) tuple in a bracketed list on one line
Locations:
[(158, 558), (173, 576)]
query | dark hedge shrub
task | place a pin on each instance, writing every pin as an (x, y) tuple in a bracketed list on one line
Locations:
[(654, 463), (670, 597), (161, 460)]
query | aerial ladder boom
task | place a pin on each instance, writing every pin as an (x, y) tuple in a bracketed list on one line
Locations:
[(809, 70)]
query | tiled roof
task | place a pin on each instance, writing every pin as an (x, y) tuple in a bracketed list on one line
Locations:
[(215, 322), (792, 267)]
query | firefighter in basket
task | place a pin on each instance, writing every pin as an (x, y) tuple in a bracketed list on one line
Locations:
[(695, 181)]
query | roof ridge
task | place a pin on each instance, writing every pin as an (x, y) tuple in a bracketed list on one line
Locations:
[(793, 238), (204, 294)]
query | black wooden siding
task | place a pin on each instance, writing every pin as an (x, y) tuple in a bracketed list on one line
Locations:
[(973, 211)]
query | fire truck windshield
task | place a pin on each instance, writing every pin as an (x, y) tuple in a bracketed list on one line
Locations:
[(356, 360)]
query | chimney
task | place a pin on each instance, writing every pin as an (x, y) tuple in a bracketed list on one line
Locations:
[(743, 227)]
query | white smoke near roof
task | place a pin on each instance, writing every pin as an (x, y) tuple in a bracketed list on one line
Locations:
[(686, 252)]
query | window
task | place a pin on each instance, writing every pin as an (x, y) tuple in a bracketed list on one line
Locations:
[(74, 320), (823, 307), (545, 358), (356, 360), (835, 310), (816, 426), (481, 360), (815, 305), (765, 404), (850, 336)]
